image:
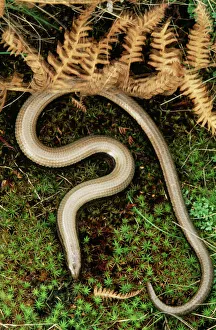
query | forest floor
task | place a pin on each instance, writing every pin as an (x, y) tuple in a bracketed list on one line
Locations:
[(126, 240)]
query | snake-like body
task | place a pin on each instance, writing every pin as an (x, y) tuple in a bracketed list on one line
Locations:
[(110, 184)]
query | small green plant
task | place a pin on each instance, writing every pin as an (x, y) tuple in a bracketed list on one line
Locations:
[(204, 211), (32, 13)]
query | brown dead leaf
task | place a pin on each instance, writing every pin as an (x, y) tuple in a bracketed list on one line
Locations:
[(16, 79), (3, 94), (18, 174), (123, 130), (6, 143), (130, 140), (59, 131), (7, 184)]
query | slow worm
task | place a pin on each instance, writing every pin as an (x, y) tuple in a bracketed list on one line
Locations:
[(110, 184)]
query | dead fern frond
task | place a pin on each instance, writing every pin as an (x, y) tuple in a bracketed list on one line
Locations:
[(78, 104), (111, 294), (73, 50), (61, 2), (106, 78), (16, 79), (14, 43), (152, 17), (162, 55), (120, 25), (18, 46), (2, 7), (28, 4), (165, 82), (3, 95), (15, 83), (88, 61), (133, 43), (98, 53), (195, 89), (198, 47), (136, 35)]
